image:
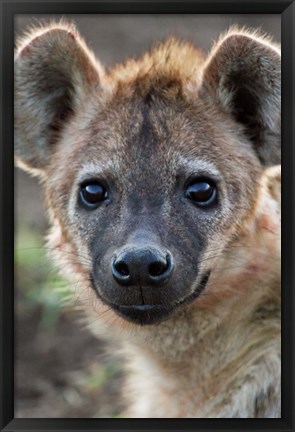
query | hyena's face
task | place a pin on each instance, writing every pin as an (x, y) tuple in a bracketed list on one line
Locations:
[(151, 200), (148, 170)]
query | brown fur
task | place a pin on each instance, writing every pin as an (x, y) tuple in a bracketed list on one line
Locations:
[(146, 127)]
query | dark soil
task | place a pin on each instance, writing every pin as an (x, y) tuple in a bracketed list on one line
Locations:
[(64, 372)]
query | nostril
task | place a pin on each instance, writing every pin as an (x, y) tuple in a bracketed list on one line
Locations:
[(121, 271), (157, 268), (122, 268)]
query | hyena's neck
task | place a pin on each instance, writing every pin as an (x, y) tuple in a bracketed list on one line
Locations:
[(236, 310), (210, 337), (203, 354)]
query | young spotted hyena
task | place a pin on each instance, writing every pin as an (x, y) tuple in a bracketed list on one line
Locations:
[(162, 183)]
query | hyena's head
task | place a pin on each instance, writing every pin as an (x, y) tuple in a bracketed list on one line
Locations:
[(151, 168)]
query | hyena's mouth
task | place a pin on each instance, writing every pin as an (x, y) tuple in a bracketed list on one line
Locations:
[(198, 290), (146, 314), (143, 314)]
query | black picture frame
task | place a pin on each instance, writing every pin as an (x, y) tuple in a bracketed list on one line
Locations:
[(7, 12)]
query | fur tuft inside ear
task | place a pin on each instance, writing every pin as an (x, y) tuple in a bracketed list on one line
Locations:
[(243, 77), (54, 73)]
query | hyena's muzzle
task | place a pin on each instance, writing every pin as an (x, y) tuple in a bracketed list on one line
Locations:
[(143, 280), (143, 267)]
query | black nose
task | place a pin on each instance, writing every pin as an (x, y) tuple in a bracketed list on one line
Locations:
[(142, 266)]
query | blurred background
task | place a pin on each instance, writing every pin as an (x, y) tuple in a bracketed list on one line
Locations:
[(61, 370)]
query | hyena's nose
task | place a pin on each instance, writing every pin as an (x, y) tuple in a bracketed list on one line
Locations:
[(142, 266)]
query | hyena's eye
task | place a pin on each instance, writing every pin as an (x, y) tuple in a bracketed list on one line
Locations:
[(202, 192), (92, 193)]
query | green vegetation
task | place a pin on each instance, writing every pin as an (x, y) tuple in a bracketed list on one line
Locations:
[(62, 370), (100, 375), (38, 282)]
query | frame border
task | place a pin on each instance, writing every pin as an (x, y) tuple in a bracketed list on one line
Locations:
[(286, 8)]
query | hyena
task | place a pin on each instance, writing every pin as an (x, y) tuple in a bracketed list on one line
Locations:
[(162, 183)]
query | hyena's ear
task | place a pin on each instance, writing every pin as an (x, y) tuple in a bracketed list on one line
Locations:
[(54, 73), (243, 76)]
